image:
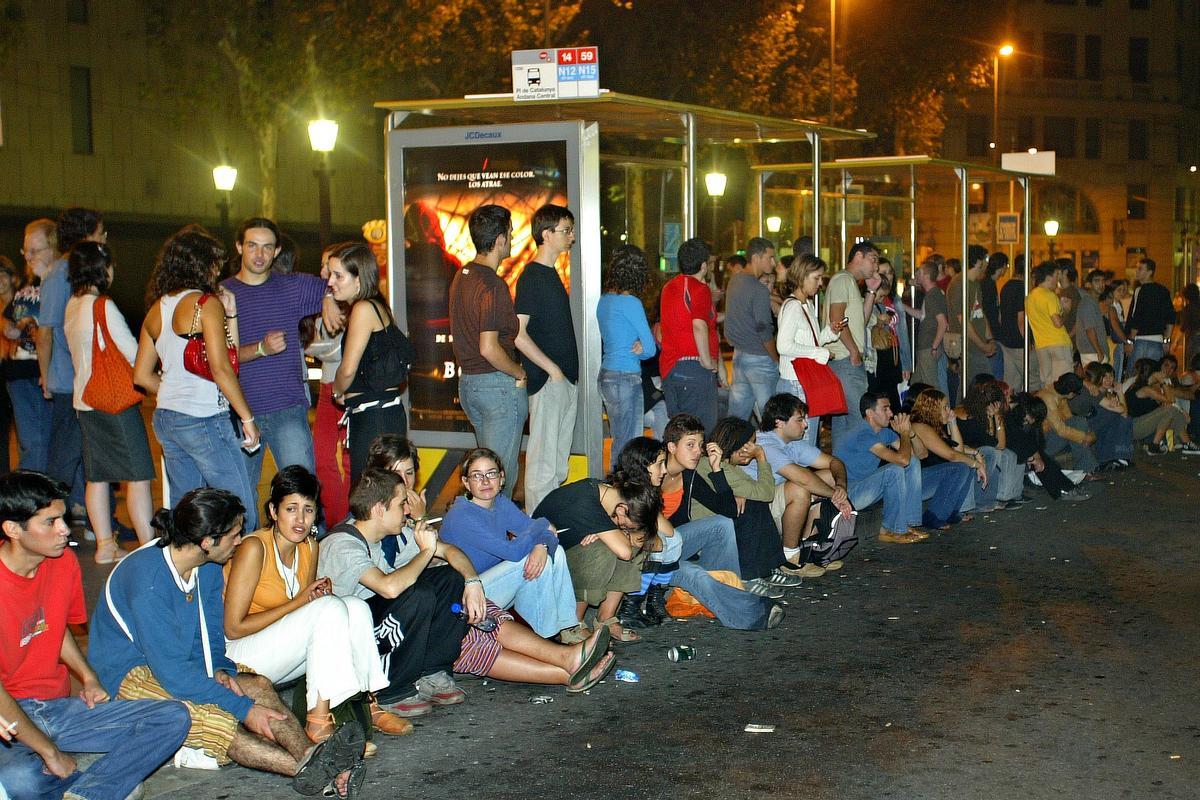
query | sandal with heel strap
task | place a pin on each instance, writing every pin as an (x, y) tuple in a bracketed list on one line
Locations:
[(626, 636), (319, 727)]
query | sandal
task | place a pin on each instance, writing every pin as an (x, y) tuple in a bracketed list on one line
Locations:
[(319, 727), (108, 552), (386, 721), (598, 673), (589, 658), (355, 780), (340, 752), (626, 636), (574, 634)]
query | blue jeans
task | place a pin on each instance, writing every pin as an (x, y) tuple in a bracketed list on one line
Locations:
[(622, 393), (204, 451), (900, 488), (784, 386), (136, 736), (854, 386), (497, 409), (713, 540), (945, 487), (692, 389), (31, 412), (1082, 457), (287, 433), (1144, 349), (65, 460), (546, 603), (996, 363), (754, 381)]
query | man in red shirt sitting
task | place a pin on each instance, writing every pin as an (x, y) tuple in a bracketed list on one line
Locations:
[(690, 360), (43, 593)]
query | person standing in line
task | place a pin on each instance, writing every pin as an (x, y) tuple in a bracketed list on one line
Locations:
[(626, 340), (546, 341), (484, 327), (750, 328), (31, 410), (801, 335), (1011, 332), (989, 299), (1091, 339), (1044, 310), (8, 287), (931, 331), (979, 346), (690, 361), (844, 300), (270, 306), (1151, 316), (65, 460)]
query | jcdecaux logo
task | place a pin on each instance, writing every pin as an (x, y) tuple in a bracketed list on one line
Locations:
[(482, 135)]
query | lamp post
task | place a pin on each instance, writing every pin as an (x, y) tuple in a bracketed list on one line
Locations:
[(1050, 226), (1005, 50), (224, 178), (715, 183), (774, 224), (322, 135), (832, 54)]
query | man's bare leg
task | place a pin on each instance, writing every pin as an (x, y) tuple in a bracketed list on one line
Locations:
[(795, 513), (288, 733)]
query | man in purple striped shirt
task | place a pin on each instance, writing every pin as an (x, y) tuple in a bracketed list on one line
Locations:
[(270, 306)]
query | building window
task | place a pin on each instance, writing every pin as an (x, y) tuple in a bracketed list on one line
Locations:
[(1139, 4), (1139, 59), (77, 11), (1135, 201), (1139, 140), (1091, 57), (1058, 134), (1058, 55), (1091, 138), (81, 110), (1026, 138), (1027, 50), (979, 133)]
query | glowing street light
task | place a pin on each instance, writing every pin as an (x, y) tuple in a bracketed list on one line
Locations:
[(715, 183), (322, 135), (1050, 226), (224, 178), (1005, 51), (774, 224)]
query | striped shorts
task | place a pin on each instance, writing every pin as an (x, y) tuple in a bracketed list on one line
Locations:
[(213, 728), (480, 649)]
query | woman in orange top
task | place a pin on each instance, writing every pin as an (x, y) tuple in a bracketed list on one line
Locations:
[(281, 621)]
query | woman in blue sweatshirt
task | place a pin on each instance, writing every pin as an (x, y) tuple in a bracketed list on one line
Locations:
[(518, 558), (627, 341)]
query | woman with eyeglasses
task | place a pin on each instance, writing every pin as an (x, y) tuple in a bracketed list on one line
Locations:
[(518, 558), (608, 528)]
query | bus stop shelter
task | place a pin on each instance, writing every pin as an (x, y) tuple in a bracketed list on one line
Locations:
[(628, 167), (910, 206)]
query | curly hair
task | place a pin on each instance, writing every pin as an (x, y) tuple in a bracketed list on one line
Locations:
[(634, 460), (188, 260), (626, 270), (928, 408), (980, 396)]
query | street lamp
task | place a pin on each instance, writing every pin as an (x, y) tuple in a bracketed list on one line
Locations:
[(322, 135), (1050, 226), (224, 178), (715, 183), (774, 224), (1005, 50)]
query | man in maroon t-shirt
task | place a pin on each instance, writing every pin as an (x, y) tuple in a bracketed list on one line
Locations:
[(491, 384), (42, 590), (690, 360)]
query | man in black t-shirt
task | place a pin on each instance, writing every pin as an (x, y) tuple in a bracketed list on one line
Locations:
[(546, 341), (1012, 326)]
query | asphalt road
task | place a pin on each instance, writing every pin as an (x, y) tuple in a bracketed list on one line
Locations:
[(1041, 653)]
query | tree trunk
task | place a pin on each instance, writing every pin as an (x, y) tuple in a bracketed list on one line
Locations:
[(267, 134)]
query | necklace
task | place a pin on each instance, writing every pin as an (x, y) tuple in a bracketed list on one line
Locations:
[(291, 585)]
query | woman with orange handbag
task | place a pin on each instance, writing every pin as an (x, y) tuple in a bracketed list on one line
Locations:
[(115, 447)]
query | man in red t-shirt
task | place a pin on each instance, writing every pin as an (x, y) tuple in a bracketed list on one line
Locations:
[(691, 358), (43, 593)]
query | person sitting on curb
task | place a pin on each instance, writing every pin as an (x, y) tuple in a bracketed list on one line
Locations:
[(947, 467), (1063, 428), (1151, 403), (1026, 437), (880, 464), (981, 423), (518, 558), (157, 633), (283, 622), (1104, 409), (41, 584)]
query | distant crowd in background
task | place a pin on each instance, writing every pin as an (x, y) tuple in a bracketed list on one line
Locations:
[(342, 587)]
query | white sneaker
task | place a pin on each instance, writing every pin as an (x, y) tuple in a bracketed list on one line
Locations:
[(194, 758)]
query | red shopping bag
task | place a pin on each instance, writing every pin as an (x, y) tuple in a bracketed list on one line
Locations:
[(822, 389)]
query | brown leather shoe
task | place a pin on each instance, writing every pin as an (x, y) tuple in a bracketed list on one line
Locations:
[(920, 534), (387, 722), (890, 537)]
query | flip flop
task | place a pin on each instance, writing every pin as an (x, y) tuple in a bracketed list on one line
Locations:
[(358, 774), (593, 657), (599, 672), (335, 755)]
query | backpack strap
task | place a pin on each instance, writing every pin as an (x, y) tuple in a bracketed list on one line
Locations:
[(348, 527)]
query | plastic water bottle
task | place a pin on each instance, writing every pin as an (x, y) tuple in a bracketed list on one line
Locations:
[(487, 624)]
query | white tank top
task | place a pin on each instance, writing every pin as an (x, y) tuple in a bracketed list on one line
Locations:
[(180, 390)]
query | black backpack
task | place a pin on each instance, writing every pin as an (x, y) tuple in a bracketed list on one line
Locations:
[(833, 536)]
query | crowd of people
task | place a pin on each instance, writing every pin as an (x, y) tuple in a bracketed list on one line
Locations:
[(346, 590)]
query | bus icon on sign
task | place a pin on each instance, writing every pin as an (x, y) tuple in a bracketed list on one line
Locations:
[(533, 76)]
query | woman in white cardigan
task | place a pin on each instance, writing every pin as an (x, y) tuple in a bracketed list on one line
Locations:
[(801, 334)]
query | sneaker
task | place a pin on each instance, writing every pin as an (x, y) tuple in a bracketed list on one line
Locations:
[(890, 537), (1156, 449), (1189, 447), (412, 706), (759, 587), (440, 689), (784, 580), (805, 571), (1076, 495), (834, 566), (194, 758), (1012, 505), (775, 616)]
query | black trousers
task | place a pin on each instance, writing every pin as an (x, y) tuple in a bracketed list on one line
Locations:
[(369, 423), (887, 375), (416, 632), (760, 550)]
